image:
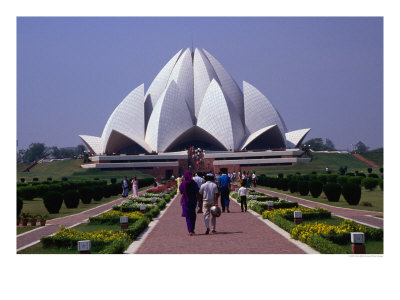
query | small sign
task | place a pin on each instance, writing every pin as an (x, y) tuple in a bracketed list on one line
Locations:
[(254, 197), (84, 245), (357, 238), (154, 200), (270, 203), (123, 219), (142, 207), (297, 214)]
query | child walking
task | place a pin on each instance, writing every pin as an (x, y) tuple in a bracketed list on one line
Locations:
[(243, 194)]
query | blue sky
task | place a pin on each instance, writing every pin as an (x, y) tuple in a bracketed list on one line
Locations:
[(323, 73)]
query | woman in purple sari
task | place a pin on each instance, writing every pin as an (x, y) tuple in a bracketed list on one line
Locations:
[(189, 190)]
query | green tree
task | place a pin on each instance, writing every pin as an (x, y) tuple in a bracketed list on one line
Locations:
[(80, 149), (55, 152), (35, 152), (360, 147)]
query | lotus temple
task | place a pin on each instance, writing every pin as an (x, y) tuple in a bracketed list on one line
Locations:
[(194, 102)]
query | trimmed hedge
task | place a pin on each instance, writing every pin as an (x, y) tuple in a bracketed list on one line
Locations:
[(370, 183), (86, 194), (316, 188), (332, 191), (98, 193), (355, 179), (136, 228), (293, 186), (351, 193), (20, 205), (71, 199), (303, 187), (53, 201), (116, 247)]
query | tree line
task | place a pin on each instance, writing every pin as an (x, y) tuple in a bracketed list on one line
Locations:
[(317, 144), (37, 151)]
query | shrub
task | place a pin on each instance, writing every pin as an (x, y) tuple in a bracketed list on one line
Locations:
[(113, 180), (26, 192), (303, 187), (372, 175), (273, 182), (316, 188), (351, 193), (380, 170), (285, 184), (370, 183), (49, 179), (341, 180), (332, 191), (322, 178), (108, 190), (96, 178), (361, 174), (293, 186), (369, 170), (331, 178), (116, 247), (280, 175), (86, 194), (381, 184), (71, 199), (136, 228), (98, 193), (22, 179), (53, 201), (35, 179), (64, 179), (350, 174), (20, 204), (355, 180), (279, 183)]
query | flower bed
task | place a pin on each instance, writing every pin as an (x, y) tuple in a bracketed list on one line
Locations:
[(307, 213), (162, 188), (68, 238), (261, 206), (113, 217)]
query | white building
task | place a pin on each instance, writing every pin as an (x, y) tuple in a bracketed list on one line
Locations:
[(193, 101)]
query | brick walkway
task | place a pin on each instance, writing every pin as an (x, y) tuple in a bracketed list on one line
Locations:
[(362, 216), (33, 236), (237, 233)]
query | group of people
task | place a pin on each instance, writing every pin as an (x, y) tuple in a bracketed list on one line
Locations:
[(196, 156), (203, 193), (125, 187)]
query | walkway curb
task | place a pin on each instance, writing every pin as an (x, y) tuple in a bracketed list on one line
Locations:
[(135, 245)]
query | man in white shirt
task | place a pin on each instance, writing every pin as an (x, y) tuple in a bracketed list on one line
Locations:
[(209, 191), (199, 181)]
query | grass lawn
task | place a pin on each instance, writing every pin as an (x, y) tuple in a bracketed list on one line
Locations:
[(72, 170), (23, 229), (374, 197), (319, 162)]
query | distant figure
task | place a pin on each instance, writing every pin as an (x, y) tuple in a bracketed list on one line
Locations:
[(135, 187), (243, 193), (178, 182), (326, 169), (189, 190), (199, 181), (224, 183), (125, 187), (209, 192), (254, 179)]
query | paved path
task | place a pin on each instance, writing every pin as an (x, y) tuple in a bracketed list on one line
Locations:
[(361, 216), (362, 158), (32, 237), (237, 233)]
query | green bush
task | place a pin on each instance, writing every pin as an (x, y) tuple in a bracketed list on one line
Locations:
[(381, 184), (293, 186), (64, 179), (136, 228), (323, 245), (370, 183), (361, 174), (372, 175), (285, 184), (20, 204), (116, 247), (53, 201), (316, 188), (355, 180), (35, 179), (22, 180), (341, 179), (49, 179), (351, 193), (323, 178), (71, 199), (332, 178), (303, 187), (86, 194), (369, 170), (113, 180), (349, 174), (279, 183), (98, 193), (26, 192), (332, 191), (108, 190)]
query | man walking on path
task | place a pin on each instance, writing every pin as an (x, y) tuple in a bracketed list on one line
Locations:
[(209, 191), (199, 180), (224, 183)]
